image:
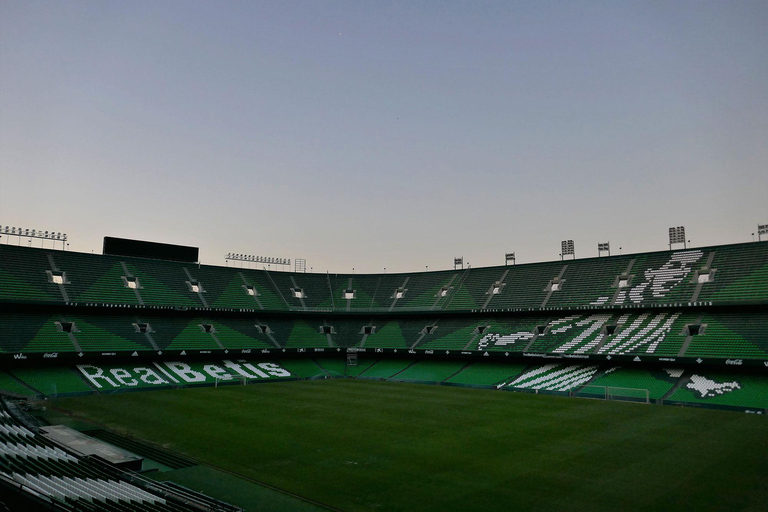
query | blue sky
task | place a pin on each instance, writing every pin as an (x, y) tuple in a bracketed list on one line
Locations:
[(385, 134)]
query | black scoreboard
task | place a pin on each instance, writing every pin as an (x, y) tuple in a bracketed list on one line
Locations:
[(152, 250)]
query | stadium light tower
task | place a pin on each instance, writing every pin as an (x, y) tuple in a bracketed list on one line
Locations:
[(34, 233), (567, 249), (510, 256), (677, 236), (605, 246), (258, 259), (762, 229), (458, 262)]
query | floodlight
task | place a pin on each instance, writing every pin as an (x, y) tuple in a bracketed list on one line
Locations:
[(677, 236), (567, 247)]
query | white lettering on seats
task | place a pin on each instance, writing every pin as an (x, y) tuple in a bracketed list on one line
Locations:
[(256, 370), (275, 370), (149, 376), (92, 376), (185, 371), (217, 372), (124, 377)]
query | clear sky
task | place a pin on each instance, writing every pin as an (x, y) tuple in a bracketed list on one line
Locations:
[(385, 134)]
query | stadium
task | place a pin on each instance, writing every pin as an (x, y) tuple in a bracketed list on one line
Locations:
[(156, 335), (485, 307)]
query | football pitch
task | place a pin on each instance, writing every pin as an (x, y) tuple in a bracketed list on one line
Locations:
[(358, 445)]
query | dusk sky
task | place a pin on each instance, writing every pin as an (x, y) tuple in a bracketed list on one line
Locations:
[(385, 134)]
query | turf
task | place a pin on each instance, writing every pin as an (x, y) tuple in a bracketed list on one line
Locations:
[(371, 445)]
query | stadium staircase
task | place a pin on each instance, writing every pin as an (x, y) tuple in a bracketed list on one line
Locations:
[(55, 479)]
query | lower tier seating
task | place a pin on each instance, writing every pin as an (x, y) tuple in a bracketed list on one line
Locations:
[(741, 388), (35, 465)]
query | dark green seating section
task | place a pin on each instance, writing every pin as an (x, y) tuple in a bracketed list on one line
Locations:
[(525, 285), (191, 336), (23, 275), (239, 333), (51, 381), (228, 289), (283, 285), (93, 278), (19, 329), (163, 283), (423, 291), (450, 334), (731, 335), (741, 275), (12, 385), (620, 382), (585, 281), (430, 371), (306, 333), (473, 289), (303, 368), (386, 368), (361, 366), (666, 278), (97, 333), (333, 366), (27, 332), (486, 374), (388, 334)]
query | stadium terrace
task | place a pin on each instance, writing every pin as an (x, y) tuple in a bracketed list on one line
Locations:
[(680, 327)]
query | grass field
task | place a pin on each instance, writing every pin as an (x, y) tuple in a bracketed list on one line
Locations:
[(377, 446)]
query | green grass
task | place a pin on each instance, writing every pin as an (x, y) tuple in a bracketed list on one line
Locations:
[(371, 445)]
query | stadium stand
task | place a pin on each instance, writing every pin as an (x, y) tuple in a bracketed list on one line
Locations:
[(723, 389), (13, 386), (303, 368), (430, 371), (485, 374), (554, 377), (51, 381), (57, 480), (739, 274), (657, 382), (685, 308), (386, 368), (721, 275)]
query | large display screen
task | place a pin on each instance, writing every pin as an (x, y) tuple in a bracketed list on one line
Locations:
[(152, 250)]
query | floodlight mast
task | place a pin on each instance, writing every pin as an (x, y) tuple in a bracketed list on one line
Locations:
[(762, 229), (677, 236), (54, 236), (510, 256), (603, 246), (458, 262), (257, 259), (567, 248)]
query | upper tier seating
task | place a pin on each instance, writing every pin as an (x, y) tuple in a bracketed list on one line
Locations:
[(718, 275)]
